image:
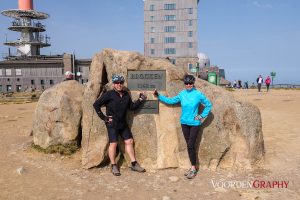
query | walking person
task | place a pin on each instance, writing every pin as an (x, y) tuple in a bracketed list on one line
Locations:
[(259, 81), (117, 102), (268, 82), (190, 98)]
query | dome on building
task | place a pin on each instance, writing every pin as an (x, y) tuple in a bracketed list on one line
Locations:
[(204, 60)]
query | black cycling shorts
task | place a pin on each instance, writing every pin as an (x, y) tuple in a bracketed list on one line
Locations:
[(113, 134)]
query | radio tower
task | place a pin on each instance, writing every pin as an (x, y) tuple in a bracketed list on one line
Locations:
[(25, 22)]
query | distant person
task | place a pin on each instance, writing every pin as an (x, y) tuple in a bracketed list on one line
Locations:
[(259, 81), (190, 98), (69, 76), (268, 82), (234, 84), (240, 84), (117, 102), (246, 85)]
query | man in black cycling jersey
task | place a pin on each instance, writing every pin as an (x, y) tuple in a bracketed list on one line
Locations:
[(117, 101)]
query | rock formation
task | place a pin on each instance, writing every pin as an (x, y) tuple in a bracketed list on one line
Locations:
[(231, 135), (58, 114)]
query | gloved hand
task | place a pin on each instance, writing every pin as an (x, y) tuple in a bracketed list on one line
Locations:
[(108, 119), (155, 93), (142, 97)]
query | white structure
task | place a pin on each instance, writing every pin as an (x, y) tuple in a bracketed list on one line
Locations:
[(171, 30), (204, 60), (31, 40)]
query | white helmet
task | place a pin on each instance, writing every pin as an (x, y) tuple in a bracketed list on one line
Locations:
[(68, 73)]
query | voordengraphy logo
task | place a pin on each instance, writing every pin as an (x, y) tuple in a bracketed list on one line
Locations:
[(269, 184), (231, 184), (247, 184)]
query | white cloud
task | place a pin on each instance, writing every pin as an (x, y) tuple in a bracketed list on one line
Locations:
[(259, 5)]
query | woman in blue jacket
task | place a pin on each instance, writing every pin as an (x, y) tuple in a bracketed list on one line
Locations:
[(190, 99)]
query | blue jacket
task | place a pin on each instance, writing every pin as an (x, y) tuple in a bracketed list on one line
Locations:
[(190, 101)]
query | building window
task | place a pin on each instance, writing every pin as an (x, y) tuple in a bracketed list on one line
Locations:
[(190, 22), (152, 40), (32, 82), (170, 6), (170, 51), (190, 33), (152, 7), (8, 80), (170, 17), (0, 72), (18, 80), (190, 10), (190, 45), (151, 18), (173, 61), (42, 82), (170, 40), (18, 72), (152, 29), (152, 51), (190, 65), (8, 72), (51, 82), (19, 88), (1, 88), (170, 28), (8, 88)]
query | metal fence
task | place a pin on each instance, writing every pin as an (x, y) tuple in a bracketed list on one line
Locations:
[(285, 86)]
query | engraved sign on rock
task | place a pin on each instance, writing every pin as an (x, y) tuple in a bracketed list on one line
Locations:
[(146, 80)]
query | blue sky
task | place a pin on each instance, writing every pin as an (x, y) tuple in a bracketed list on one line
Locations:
[(245, 37)]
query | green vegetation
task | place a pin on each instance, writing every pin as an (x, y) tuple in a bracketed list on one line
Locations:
[(19, 97), (63, 149), (230, 89)]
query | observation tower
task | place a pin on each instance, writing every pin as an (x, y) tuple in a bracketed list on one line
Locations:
[(26, 21)]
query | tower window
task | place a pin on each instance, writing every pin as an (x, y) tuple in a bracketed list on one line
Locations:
[(170, 51), (170, 6), (170, 28), (170, 17), (152, 7)]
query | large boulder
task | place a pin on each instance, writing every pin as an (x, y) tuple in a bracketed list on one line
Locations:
[(57, 118), (231, 135)]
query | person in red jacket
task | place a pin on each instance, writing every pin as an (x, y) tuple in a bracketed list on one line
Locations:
[(268, 82)]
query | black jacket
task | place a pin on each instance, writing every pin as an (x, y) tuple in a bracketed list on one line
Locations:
[(116, 106)]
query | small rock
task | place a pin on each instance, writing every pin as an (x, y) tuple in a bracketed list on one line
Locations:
[(166, 198), (173, 178), (20, 170), (220, 189)]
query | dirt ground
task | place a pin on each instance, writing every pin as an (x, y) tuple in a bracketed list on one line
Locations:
[(28, 174)]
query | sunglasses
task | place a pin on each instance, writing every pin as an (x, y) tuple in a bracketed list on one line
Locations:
[(119, 83), (188, 83)]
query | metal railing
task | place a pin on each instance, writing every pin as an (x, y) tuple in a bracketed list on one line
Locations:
[(285, 86), (33, 24)]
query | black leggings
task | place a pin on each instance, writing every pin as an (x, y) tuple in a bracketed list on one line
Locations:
[(190, 135)]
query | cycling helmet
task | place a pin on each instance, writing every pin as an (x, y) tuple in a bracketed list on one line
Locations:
[(189, 79), (117, 78)]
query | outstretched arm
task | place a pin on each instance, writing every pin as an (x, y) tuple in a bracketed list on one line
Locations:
[(135, 105), (167, 100)]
